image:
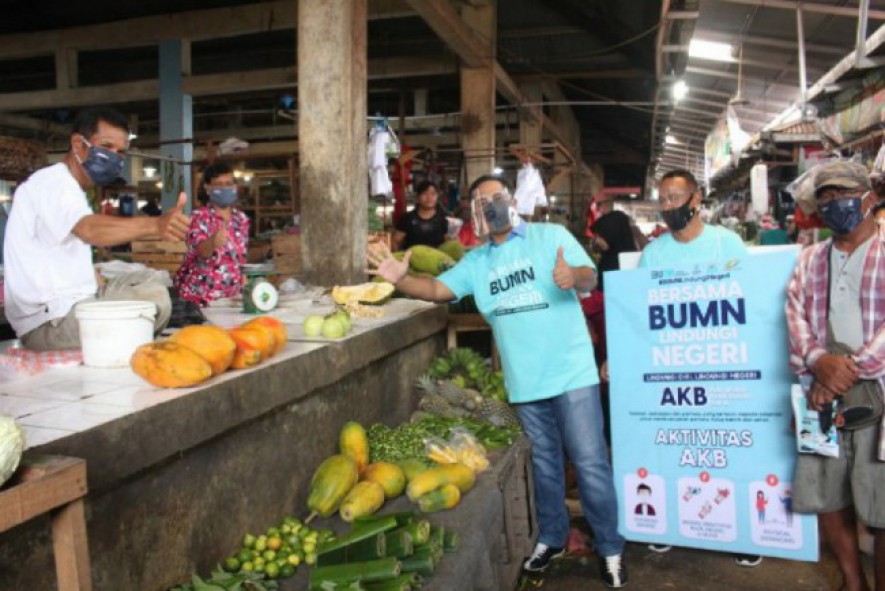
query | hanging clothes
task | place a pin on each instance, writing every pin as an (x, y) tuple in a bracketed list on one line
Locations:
[(402, 178), (377, 154)]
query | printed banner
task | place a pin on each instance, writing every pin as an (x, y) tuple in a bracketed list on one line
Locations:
[(703, 449)]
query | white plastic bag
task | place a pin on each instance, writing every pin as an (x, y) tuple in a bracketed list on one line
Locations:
[(530, 192)]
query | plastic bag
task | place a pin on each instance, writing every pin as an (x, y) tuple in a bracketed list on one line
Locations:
[(439, 450), (530, 191), (453, 227), (462, 447), (810, 439)]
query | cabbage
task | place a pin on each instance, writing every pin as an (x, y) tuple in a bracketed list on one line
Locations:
[(12, 443)]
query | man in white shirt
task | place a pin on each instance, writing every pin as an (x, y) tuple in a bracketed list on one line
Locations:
[(52, 229)]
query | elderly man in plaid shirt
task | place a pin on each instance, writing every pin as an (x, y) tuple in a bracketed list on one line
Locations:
[(839, 285)]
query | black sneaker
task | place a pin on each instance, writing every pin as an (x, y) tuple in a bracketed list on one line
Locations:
[(613, 571), (541, 557)]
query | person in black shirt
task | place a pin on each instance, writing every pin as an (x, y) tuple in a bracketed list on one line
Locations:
[(425, 224), (614, 235)]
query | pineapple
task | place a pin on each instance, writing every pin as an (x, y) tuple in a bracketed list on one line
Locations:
[(427, 385), (458, 396), (498, 413)]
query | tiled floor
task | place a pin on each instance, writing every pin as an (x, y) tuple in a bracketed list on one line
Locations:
[(62, 401)]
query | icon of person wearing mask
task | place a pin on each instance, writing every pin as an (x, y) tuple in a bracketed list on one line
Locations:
[(644, 506), (217, 242)]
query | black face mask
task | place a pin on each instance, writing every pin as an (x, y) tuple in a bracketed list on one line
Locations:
[(677, 219)]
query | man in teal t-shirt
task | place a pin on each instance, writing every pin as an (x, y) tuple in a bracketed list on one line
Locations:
[(524, 280), (690, 241)]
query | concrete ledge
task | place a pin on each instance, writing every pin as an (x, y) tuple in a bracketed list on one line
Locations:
[(173, 488)]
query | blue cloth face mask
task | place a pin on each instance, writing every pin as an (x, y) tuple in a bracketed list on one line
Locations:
[(103, 166), (223, 196), (842, 216)]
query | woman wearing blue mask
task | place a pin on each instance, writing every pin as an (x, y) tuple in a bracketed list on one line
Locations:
[(216, 242)]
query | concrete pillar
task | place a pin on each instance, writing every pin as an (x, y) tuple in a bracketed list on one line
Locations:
[(176, 121), (478, 97), (530, 127), (332, 132)]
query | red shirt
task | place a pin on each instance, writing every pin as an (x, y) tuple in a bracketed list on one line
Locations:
[(204, 280)]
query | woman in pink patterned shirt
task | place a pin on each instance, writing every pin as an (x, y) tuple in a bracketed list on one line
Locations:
[(216, 242)]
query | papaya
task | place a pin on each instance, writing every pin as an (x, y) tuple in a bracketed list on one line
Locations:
[(170, 365), (425, 259), (390, 476), (277, 328), (440, 499), (453, 248), (331, 482), (353, 443), (254, 344), (264, 341), (412, 467), (364, 498), (434, 478), (212, 343)]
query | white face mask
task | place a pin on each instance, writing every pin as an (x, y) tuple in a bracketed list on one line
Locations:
[(493, 214)]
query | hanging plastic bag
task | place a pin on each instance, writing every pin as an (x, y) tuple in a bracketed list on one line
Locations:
[(530, 192), (377, 157)]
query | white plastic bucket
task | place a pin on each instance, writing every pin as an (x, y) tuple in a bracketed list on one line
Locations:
[(110, 331)]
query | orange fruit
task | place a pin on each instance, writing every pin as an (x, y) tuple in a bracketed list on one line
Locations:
[(275, 326)]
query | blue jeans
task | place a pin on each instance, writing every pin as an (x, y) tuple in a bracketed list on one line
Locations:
[(572, 421)]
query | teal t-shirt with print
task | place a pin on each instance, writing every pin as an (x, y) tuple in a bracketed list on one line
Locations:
[(714, 243), (539, 328)]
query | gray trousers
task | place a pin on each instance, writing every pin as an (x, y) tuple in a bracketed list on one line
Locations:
[(64, 333)]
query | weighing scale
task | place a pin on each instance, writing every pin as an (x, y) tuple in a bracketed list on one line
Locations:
[(259, 294)]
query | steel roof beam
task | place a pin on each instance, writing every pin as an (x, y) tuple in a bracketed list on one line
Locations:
[(767, 42), (848, 11)]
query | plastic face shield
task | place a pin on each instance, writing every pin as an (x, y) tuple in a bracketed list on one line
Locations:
[(493, 213)]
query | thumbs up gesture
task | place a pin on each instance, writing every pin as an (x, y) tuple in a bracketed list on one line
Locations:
[(220, 236), (173, 224), (563, 276)]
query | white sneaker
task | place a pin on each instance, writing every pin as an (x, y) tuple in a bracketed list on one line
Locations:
[(659, 548)]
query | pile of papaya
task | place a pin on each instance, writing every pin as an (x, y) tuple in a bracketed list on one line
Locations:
[(198, 352), (349, 484)]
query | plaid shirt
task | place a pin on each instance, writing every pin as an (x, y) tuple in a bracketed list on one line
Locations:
[(807, 304)]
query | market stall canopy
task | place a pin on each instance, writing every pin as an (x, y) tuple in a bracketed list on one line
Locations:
[(748, 55)]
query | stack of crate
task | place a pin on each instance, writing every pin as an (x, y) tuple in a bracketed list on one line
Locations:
[(159, 254), (286, 250)]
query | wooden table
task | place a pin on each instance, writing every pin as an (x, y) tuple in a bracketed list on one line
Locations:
[(55, 484)]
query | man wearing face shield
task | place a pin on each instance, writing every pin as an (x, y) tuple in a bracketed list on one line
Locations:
[(52, 229), (836, 295), (524, 280)]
